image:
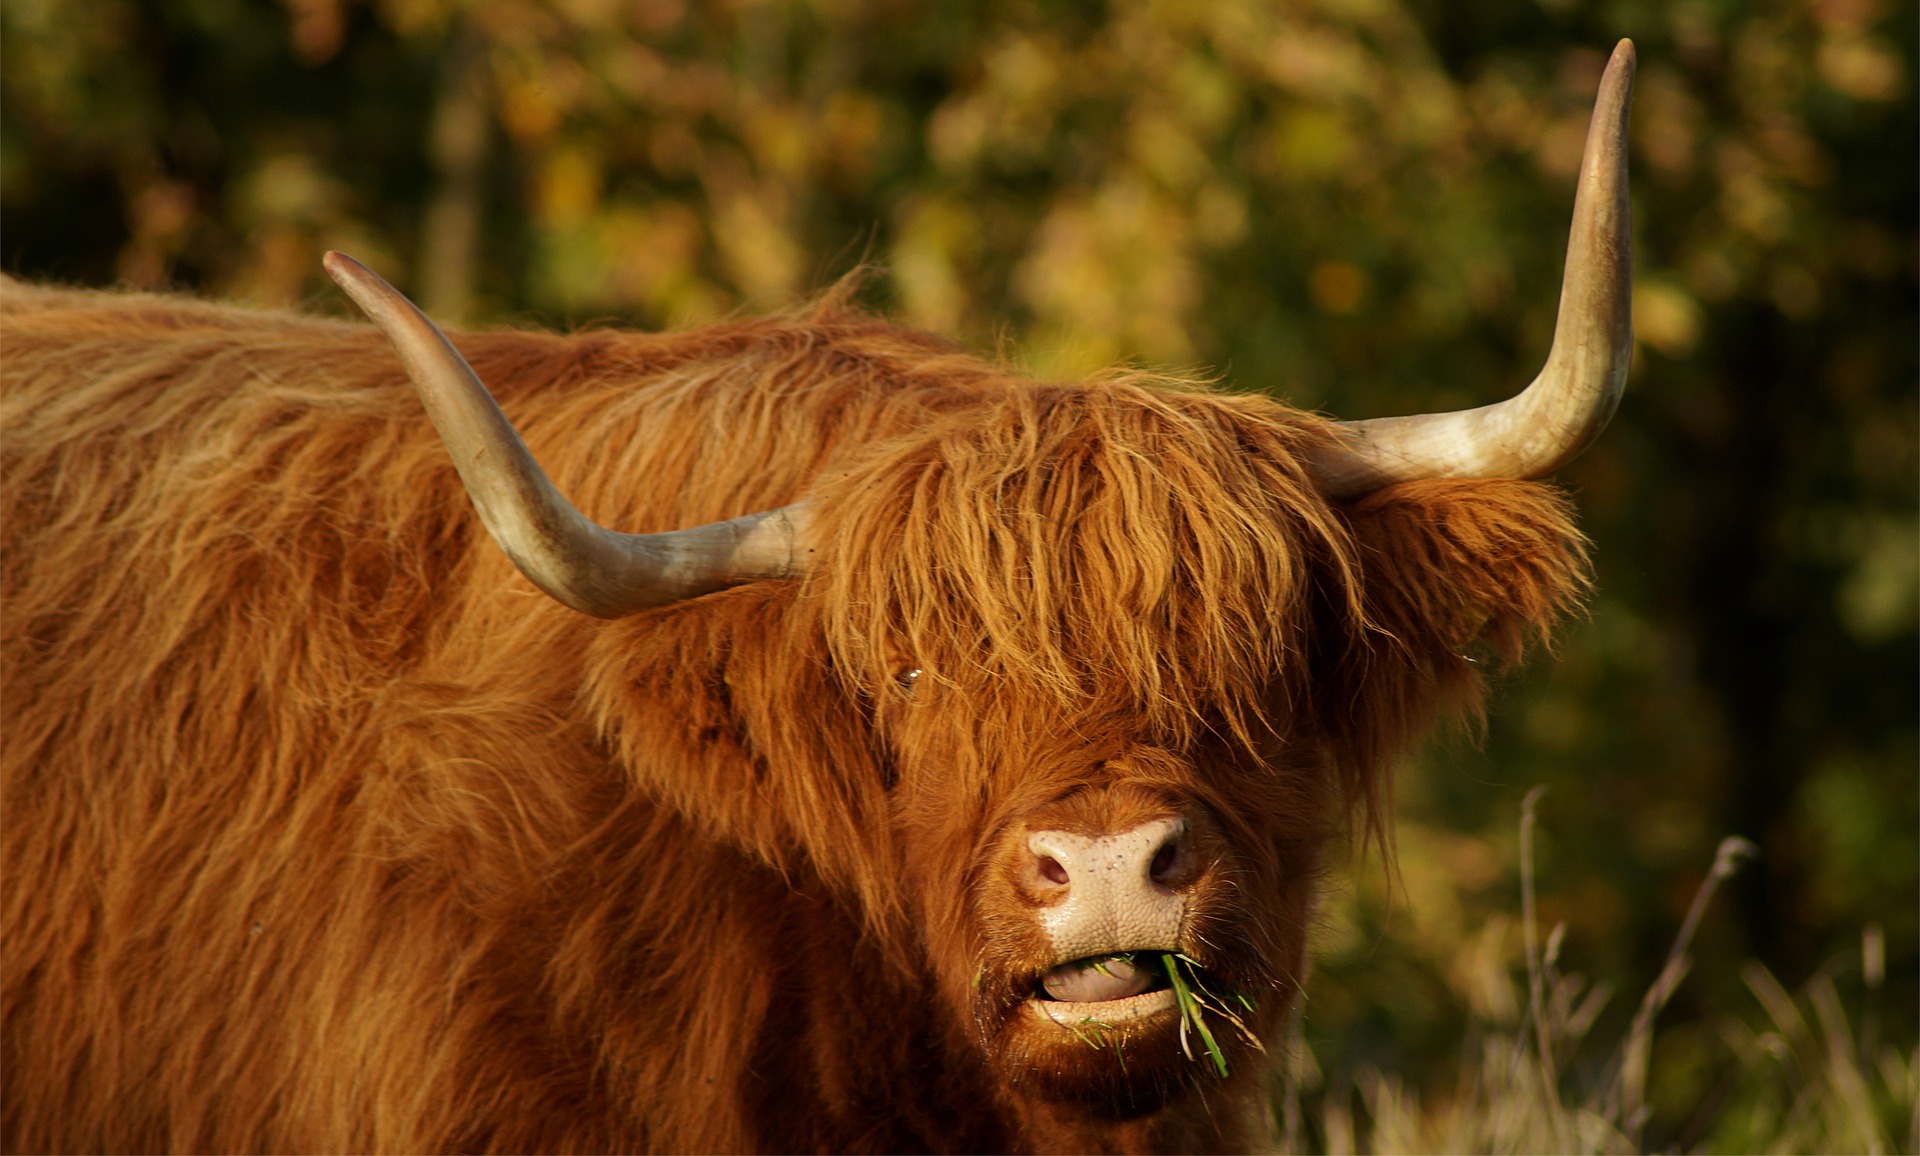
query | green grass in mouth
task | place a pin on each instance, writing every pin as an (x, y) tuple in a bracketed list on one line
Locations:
[(1194, 1000)]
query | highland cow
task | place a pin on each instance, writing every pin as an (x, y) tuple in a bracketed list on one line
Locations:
[(957, 781)]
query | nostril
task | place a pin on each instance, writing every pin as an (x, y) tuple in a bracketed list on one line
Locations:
[(1052, 871), (1166, 862)]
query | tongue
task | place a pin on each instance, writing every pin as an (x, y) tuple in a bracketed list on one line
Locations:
[(1097, 980)]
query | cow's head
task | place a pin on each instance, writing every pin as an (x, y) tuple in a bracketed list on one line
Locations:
[(1077, 683), (1130, 667)]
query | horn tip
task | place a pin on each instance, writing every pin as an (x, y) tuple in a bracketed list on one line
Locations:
[(1624, 57), (1616, 87), (368, 289), (350, 274)]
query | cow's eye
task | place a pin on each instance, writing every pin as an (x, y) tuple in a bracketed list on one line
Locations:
[(907, 679)]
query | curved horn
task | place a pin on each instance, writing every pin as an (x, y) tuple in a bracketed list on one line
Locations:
[(586, 566), (1571, 401)]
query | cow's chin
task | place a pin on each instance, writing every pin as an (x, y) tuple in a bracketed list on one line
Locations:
[(1113, 1059)]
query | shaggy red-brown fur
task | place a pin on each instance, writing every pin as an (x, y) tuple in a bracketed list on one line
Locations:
[(325, 831)]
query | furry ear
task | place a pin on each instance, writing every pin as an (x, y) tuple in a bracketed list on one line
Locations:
[(1456, 576), (732, 716), (1484, 563)]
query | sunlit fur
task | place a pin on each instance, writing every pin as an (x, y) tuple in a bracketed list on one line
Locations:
[(326, 831)]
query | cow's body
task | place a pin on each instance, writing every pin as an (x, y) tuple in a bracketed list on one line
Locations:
[(297, 775), (326, 831)]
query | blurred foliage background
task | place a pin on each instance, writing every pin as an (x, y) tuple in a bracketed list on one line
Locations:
[(1359, 205)]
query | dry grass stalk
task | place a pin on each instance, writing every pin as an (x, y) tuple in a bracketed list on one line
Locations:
[(1801, 1084)]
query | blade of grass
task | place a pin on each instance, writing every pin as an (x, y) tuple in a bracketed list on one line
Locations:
[(1639, 1049), (1209, 1001), (1190, 1011), (1543, 1044)]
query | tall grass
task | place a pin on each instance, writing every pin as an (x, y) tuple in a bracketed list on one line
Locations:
[(1810, 1077)]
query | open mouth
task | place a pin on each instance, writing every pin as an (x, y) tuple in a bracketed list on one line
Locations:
[(1109, 991), (1105, 989), (1105, 978)]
